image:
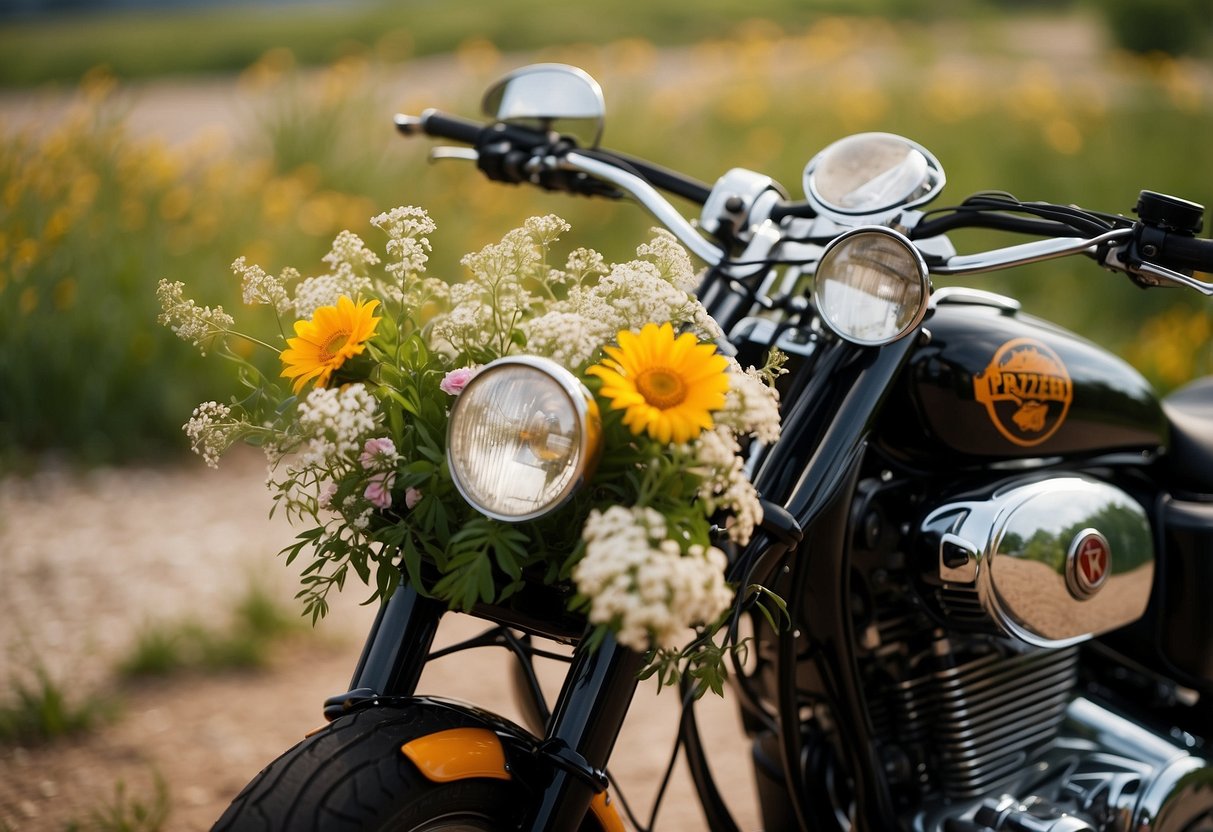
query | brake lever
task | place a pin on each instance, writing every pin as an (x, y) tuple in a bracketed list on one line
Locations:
[(465, 154), (1150, 274)]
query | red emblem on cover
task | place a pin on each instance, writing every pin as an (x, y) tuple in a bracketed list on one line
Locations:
[(1089, 562)]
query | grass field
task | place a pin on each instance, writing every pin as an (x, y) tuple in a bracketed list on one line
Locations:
[(92, 215)]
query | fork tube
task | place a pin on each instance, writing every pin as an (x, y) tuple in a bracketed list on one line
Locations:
[(398, 643), (582, 732)]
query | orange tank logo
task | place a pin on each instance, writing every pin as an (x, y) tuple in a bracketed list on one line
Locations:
[(1026, 390)]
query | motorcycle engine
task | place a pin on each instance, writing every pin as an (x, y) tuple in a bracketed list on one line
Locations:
[(971, 625)]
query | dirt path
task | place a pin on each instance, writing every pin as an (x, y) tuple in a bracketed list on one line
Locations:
[(90, 560)]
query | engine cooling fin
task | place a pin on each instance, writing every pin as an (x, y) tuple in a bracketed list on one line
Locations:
[(981, 720)]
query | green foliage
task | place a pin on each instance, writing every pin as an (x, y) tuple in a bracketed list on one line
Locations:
[(1176, 27), (44, 710), (129, 813), (232, 38)]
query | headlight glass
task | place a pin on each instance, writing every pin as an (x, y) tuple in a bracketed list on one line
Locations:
[(871, 286), (523, 435)]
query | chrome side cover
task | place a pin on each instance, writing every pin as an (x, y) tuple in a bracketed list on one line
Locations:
[(1050, 562)]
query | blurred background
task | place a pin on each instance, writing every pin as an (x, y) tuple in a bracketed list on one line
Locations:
[(143, 140)]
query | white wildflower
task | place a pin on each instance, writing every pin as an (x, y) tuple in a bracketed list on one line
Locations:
[(638, 295), (638, 579), (258, 287), (198, 325), (411, 257), (325, 289), (407, 229), (334, 423), (505, 261), (545, 230), (468, 324), (671, 259), (405, 221), (751, 405), (725, 485), (583, 263), (211, 431), (568, 338), (348, 249)]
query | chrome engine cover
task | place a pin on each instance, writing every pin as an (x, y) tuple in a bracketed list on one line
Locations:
[(1050, 562)]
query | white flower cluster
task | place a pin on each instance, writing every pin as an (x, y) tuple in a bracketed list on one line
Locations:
[(199, 325), (751, 405), (349, 252), (259, 287), (211, 429), (725, 485), (545, 230), (642, 581), (568, 338), (671, 259), (568, 314), (407, 229), (349, 260), (334, 423)]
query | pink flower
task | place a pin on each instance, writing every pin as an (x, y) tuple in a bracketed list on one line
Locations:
[(379, 489), (378, 452), (412, 497), (327, 492), (454, 381)]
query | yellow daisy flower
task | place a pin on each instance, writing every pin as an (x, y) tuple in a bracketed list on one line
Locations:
[(668, 386), (323, 344)]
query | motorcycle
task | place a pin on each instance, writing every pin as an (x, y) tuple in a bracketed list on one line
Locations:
[(991, 535)]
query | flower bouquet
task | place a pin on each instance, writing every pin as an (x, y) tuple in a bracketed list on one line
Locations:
[(569, 424)]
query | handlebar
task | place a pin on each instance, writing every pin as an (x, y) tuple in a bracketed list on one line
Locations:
[(441, 125), (1152, 254)]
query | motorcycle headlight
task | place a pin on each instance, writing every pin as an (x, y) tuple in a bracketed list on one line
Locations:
[(523, 435), (871, 286)]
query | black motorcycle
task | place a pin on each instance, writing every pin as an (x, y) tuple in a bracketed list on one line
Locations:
[(993, 539)]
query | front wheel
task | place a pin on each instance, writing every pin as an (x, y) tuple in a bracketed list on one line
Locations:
[(352, 776)]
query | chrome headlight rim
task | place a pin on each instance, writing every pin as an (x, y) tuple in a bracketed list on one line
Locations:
[(926, 189), (921, 270), (585, 410)]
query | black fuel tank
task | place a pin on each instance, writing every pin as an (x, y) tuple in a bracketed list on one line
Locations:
[(994, 383)]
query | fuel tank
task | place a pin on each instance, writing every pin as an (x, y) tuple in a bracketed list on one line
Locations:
[(993, 383)]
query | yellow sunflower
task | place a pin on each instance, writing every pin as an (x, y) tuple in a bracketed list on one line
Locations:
[(668, 385), (323, 344)]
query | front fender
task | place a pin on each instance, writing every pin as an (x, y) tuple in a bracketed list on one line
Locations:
[(482, 744)]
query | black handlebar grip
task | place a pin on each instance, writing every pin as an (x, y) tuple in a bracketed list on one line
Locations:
[(1188, 252), (442, 126)]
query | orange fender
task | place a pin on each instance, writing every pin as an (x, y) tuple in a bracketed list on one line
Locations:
[(463, 753)]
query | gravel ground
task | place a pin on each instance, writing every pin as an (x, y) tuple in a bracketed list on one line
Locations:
[(90, 559)]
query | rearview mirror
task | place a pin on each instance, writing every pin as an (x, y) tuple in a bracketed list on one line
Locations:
[(546, 95)]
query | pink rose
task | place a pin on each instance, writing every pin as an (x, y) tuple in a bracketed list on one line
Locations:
[(453, 382), (378, 452), (379, 489), (411, 498)]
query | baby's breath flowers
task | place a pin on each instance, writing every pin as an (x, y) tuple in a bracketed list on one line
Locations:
[(644, 584), (360, 458), (199, 325)]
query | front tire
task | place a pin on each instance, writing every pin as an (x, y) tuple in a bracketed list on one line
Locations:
[(352, 776)]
